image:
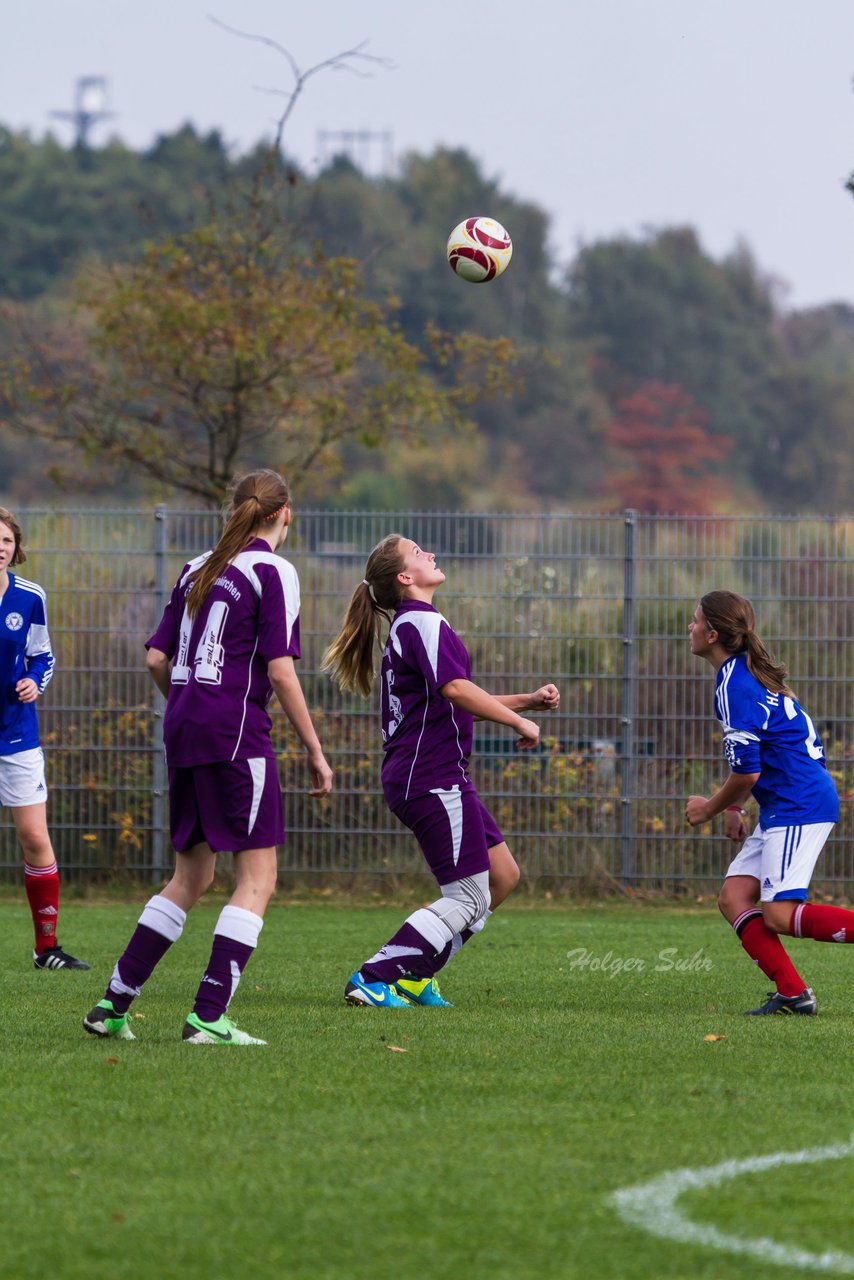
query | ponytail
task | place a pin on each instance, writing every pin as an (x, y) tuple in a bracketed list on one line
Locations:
[(256, 499), (350, 657), (733, 618)]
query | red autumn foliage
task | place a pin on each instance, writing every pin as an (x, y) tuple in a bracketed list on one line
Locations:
[(664, 454)]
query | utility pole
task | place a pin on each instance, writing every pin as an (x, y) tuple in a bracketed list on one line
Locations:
[(90, 106)]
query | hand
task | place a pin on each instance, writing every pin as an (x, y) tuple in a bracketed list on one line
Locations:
[(547, 697), (697, 811), (734, 828), (27, 689), (321, 776), (529, 734)]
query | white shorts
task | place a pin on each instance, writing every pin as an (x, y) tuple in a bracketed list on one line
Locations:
[(782, 859), (22, 779)]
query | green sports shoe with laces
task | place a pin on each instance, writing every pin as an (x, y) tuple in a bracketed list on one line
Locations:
[(223, 1031), (104, 1021), (421, 991)]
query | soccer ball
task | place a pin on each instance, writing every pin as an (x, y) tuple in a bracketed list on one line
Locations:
[(479, 249)]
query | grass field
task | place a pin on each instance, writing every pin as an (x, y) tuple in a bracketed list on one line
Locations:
[(490, 1147)]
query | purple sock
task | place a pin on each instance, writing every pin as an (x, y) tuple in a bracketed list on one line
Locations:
[(235, 938), (220, 979), (421, 946), (160, 924), (140, 958)]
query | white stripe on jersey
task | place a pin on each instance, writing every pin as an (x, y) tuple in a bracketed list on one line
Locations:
[(428, 626), (246, 562), (245, 701), (193, 566), (38, 639), (420, 736), (26, 585), (740, 736), (722, 694)]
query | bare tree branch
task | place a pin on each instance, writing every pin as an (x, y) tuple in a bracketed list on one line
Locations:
[(343, 61)]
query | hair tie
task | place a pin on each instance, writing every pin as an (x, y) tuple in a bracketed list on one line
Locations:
[(275, 513), (370, 589)]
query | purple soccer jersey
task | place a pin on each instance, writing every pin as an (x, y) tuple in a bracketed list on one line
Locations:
[(426, 739), (217, 705)]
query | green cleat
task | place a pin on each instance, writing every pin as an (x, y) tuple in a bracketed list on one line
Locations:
[(223, 1031), (421, 991), (104, 1021)]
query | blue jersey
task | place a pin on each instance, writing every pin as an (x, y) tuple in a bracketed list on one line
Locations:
[(24, 651), (771, 734)]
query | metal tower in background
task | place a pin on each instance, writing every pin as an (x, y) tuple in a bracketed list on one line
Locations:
[(90, 106), (370, 150)]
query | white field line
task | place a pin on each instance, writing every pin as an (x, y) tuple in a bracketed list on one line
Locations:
[(652, 1207)]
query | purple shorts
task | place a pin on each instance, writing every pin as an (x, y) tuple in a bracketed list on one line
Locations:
[(230, 806), (454, 829)]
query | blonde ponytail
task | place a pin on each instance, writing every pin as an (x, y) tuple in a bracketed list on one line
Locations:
[(256, 498), (350, 657)]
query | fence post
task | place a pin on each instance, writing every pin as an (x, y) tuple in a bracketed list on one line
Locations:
[(158, 789), (627, 719)]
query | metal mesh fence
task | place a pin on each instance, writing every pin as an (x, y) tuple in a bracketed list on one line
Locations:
[(598, 604)]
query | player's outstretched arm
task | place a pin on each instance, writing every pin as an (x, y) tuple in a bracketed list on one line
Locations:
[(546, 698), (288, 690), (470, 697)]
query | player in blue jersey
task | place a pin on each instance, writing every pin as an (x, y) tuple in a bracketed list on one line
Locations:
[(226, 643), (775, 753), (428, 707), (26, 666)]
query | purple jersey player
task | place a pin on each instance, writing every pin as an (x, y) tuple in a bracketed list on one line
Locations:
[(225, 644), (429, 705)]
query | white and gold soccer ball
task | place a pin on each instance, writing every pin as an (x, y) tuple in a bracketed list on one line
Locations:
[(479, 249)]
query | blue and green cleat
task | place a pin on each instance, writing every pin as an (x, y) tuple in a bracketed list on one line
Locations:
[(422, 991), (379, 995)]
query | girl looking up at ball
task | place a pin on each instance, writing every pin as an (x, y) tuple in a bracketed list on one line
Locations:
[(428, 705)]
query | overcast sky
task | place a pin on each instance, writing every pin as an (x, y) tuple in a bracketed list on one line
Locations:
[(733, 116)]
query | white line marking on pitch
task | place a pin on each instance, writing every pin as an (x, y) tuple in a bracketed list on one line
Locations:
[(652, 1206)]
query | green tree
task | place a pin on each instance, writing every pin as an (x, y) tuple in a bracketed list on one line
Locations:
[(229, 343), (220, 348), (659, 309)]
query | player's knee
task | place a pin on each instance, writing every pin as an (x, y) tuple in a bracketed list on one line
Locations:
[(778, 916), (35, 846), (732, 902), (464, 902)]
